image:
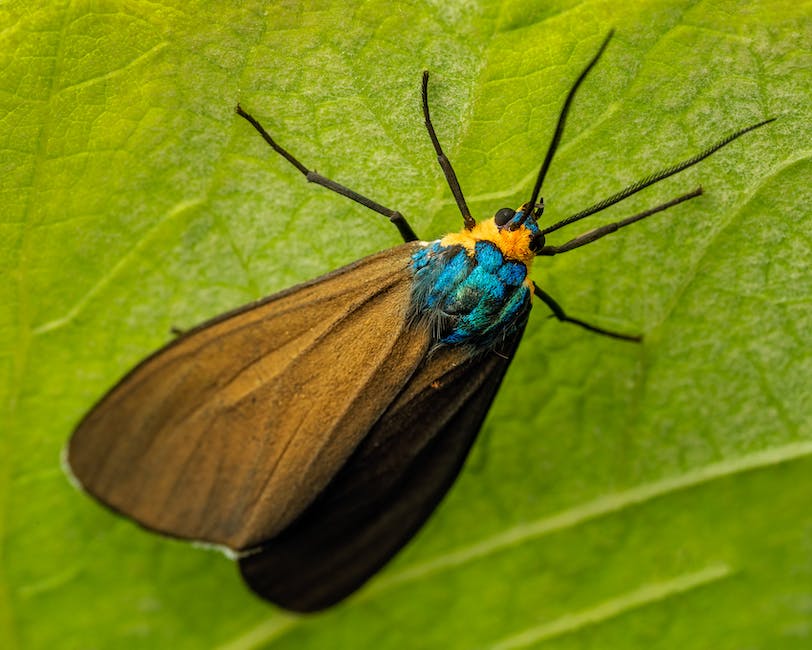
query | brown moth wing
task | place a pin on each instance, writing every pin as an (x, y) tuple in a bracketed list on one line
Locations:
[(388, 487), (228, 433)]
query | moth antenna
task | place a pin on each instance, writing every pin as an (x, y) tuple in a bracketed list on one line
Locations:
[(654, 178), (562, 118), (609, 228)]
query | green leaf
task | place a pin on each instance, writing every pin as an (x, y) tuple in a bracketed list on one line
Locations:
[(621, 495)]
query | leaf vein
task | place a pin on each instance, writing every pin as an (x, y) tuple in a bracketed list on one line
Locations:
[(646, 595), (595, 509)]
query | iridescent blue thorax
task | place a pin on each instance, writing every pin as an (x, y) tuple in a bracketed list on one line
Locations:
[(472, 287)]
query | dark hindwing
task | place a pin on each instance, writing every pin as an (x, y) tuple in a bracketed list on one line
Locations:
[(227, 434), (388, 487)]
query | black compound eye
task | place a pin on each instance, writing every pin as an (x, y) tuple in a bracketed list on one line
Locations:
[(537, 243), (503, 216)]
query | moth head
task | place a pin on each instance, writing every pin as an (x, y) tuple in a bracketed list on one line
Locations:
[(522, 223)]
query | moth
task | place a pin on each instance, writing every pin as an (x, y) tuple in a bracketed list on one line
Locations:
[(313, 432)]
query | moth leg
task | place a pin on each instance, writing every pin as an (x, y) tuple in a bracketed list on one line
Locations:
[(445, 163), (559, 313), (394, 216)]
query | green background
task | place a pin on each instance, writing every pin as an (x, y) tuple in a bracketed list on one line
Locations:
[(621, 495)]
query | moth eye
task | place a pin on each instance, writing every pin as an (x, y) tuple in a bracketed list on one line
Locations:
[(503, 216), (537, 243)]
